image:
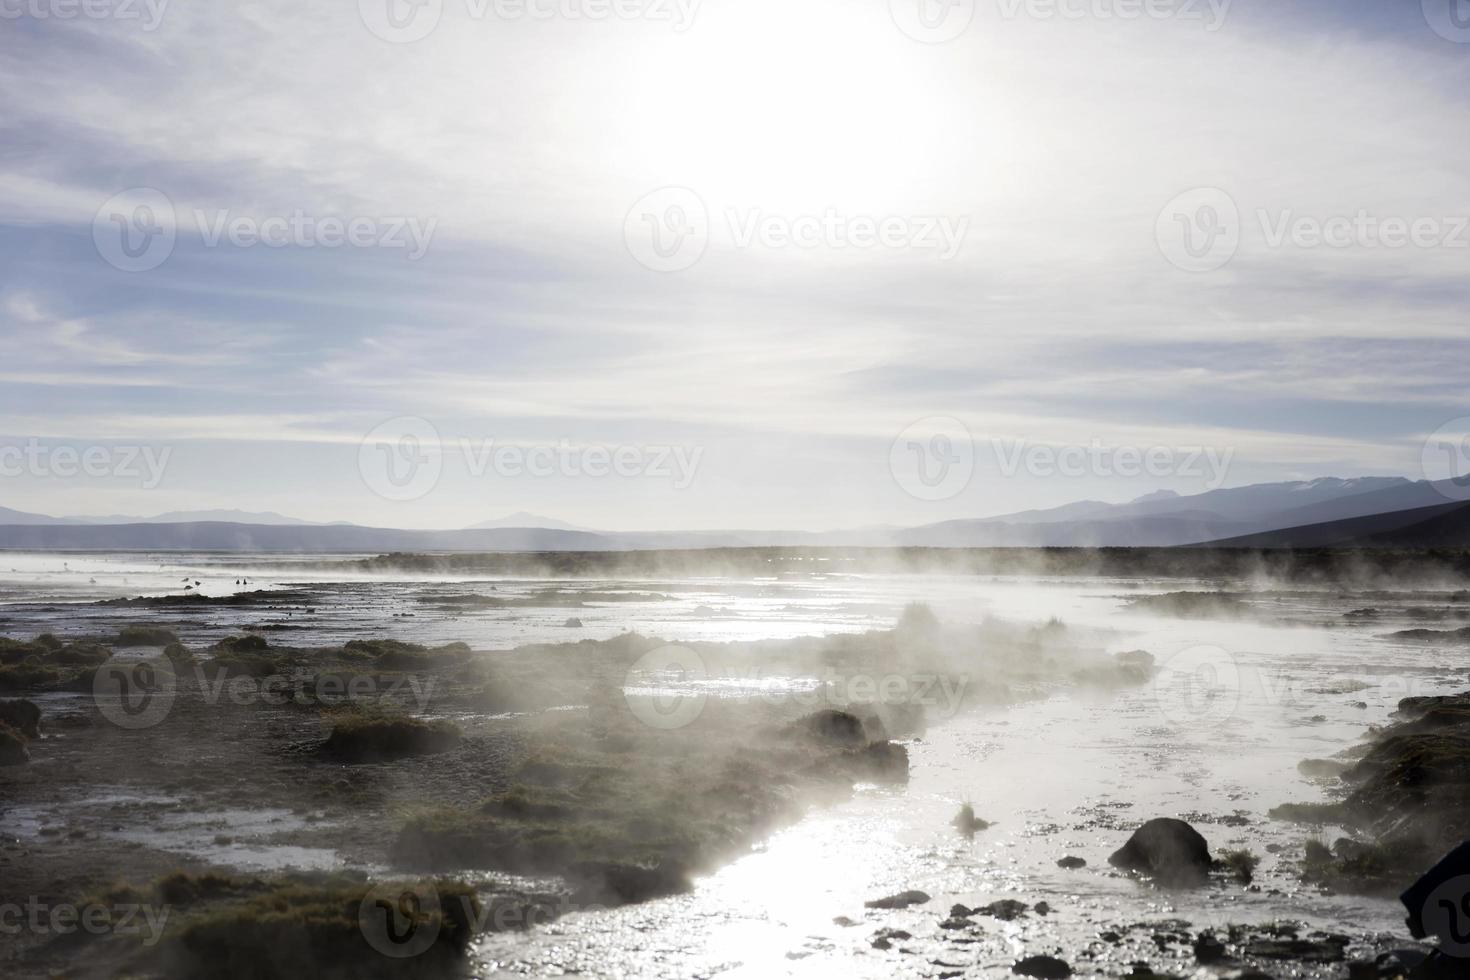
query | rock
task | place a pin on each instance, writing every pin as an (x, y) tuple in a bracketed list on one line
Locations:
[(573, 623), (1006, 909), (1043, 967), (960, 912), (885, 938), (1208, 948), (900, 901), (840, 729), (956, 923), (1328, 950), (844, 922), (1041, 908), (1071, 863), (967, 823), (1171, 851), (23, 716)]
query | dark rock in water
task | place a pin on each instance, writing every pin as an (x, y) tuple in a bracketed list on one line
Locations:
[(573, 623), (1329, 949), (900, 901), (1006, 909), (839, 728), (1043, 967), (956, 923), (1042, 908), (1208, 948), (885, 938), (960, 912), (1071, 863), (844, 922), (967, 823), (23, 716), (1169, 850)]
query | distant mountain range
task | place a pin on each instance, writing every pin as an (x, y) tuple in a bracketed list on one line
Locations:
[(1363, 512)]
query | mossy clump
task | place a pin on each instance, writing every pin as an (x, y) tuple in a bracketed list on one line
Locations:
[(250, 643), (81, 654), (333, 926), (1241, 864), (402, 656), (145, 636), (23, 716), (385, 737), (32, 676)]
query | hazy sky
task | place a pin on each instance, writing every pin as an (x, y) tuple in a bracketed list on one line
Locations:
[(869, 225)]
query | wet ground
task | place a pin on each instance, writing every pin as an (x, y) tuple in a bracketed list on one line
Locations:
[(1217, 739)]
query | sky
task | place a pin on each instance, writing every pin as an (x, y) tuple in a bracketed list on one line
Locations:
[(644, 264)]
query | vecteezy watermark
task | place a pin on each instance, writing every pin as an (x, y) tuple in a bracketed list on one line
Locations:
[(669, 230), (406, 21), (402, 920), (932, 21), (1450, 19), (135, 694), (1210, 13), (1198, 686), (145, 464), (403, 459), (40, 918), (148, 13), (669, 687), (1446, 916), (1202, 230), (137, 230), (933, 459), (1199, 231), (1099, 459), (140, 693), (1445, 459)]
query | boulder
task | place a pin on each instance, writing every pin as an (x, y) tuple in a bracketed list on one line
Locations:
[(1044, 967), (1170, 851)]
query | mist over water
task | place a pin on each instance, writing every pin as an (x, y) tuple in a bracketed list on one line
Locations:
[(1216, 738)]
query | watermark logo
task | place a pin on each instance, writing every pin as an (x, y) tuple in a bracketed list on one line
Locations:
[(39, 918), (135, 694), (933, 459), (400, 921), (1211, 13), (1447, 916), (1445, 459), (667, 230), (135, 230), (678, 464), (941, 234), (145, 464), (664, 687), (1199, 231), (1198, 686), (402, 459), (149, 12), (302, 230), (1450, 19), (1206, 463), (932, 21), (400, 21)]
